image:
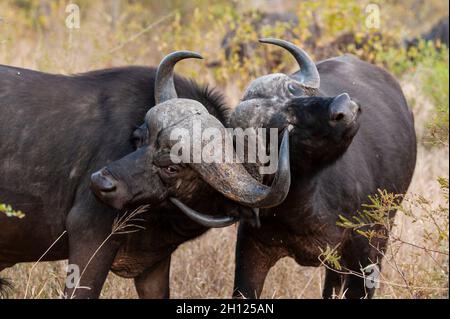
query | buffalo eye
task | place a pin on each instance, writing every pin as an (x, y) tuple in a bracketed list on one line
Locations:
[(166, 166), (171, 169), (295, 90)]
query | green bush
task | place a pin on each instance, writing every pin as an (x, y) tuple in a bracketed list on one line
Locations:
[(10, 212), (435, 84)]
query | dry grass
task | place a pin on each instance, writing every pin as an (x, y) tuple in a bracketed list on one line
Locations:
[(204, 267)]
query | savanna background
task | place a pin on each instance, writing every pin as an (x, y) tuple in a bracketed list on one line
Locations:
[(43, 35)]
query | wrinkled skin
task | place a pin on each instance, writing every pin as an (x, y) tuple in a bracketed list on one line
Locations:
[(55, 131), (344, 147)]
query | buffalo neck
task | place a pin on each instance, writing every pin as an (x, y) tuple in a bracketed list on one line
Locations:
[(299, 202)]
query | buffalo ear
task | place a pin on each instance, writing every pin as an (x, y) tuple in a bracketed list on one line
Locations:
[(138, 136)]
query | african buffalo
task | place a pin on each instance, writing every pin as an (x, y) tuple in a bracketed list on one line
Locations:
[(352, 134), (56, 131)]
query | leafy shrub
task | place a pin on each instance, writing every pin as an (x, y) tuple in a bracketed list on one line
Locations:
[(418, 279)]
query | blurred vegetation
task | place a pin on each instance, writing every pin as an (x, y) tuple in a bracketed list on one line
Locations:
[(33, 35), (118, 32), (436, 85), (429, 66)]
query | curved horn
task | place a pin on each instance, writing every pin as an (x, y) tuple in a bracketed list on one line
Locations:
[(202, 219), (164, 86), (308, 74), (235, 183)]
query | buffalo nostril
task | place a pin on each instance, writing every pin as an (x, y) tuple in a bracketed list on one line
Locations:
[(102, 183), (108, 186), (343, 109)]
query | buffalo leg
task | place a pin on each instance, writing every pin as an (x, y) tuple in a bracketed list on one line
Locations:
[(365, 266), (333, 284), (363, 283), (153, 283), (253, 262), (91, 250)]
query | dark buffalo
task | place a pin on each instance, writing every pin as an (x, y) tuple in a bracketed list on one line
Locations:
[(56, 130), (353, 134)]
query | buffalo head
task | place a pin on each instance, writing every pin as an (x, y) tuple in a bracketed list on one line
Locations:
[(321, 127), (151, 174)]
